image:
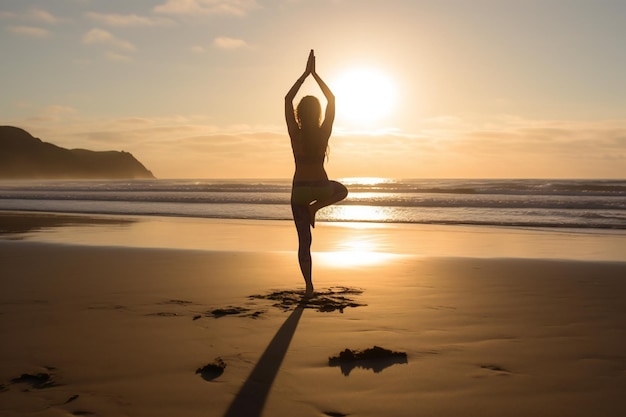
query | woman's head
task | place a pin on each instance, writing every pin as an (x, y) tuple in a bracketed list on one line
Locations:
[(309, 112)]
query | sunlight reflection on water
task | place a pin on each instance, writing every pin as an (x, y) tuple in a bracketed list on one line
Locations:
[(358, 213), (356, 249), (366, 180), (353, 258)]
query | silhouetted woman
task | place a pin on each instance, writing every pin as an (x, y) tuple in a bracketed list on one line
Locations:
[(311, 190)]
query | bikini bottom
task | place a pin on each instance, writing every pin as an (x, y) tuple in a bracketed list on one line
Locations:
[(305, 192)]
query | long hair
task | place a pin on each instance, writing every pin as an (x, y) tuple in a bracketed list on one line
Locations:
[(309, 116), (309, 112)]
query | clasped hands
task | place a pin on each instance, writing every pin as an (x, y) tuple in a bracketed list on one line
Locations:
[(310, 66)]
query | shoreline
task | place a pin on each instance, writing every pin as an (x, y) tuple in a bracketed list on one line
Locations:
[(330, 239)]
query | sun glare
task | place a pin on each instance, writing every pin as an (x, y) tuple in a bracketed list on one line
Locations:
[(355, 251), (364, 95)]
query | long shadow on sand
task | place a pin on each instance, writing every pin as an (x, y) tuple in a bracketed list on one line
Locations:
[(250, 399)]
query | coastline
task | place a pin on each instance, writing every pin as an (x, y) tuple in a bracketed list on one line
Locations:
[(340, 238), (113, 319)]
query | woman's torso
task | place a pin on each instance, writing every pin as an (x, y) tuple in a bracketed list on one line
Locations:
[(309, 159)]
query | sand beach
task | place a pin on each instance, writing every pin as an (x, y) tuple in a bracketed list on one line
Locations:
[(114, 316)]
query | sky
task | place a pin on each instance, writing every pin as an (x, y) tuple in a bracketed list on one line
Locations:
[(424, 89)]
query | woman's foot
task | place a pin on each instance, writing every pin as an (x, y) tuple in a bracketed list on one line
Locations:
[(308, 293)]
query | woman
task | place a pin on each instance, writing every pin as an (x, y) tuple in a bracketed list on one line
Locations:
[(311, 190)]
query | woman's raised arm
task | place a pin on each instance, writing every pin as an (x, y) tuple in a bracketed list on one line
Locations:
[(329, 117), (290, 117)]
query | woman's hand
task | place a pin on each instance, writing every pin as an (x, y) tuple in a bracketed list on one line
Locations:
[(310, 64)]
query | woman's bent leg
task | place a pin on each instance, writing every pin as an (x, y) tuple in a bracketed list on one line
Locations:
[(339, 193), (301, 219)]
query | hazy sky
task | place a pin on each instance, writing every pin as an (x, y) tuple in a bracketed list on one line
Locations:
[(439, 88)]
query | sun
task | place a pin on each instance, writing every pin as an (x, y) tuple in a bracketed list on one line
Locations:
[(364, 95)]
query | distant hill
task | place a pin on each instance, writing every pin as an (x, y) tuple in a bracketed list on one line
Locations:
[(23, 156)]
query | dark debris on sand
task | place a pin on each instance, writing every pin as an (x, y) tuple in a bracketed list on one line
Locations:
[(212, 370), (72, 398), (495, 368), (227, 311), (375, 358), (333, 299), (177, 302), (233, 311), (164, 314), (40, 380)]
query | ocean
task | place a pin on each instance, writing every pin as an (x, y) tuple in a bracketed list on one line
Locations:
[(575, 204)]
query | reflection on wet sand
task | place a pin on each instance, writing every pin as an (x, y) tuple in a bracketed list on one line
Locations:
[(17, 224)]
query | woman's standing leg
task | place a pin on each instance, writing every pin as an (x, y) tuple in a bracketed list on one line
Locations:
[(301, 219)]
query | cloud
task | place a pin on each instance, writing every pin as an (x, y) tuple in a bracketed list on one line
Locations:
[(221, 42), (539, 149), (56, 113), (207, 7), (45, 116), (179, 146), (7, 15), (224, 42), (100, 36), (29, 31), (506, 147), (43, 16), (114, 56), (191, 147), (58, 109), (197, 49), (33, 15), (129, 20)]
